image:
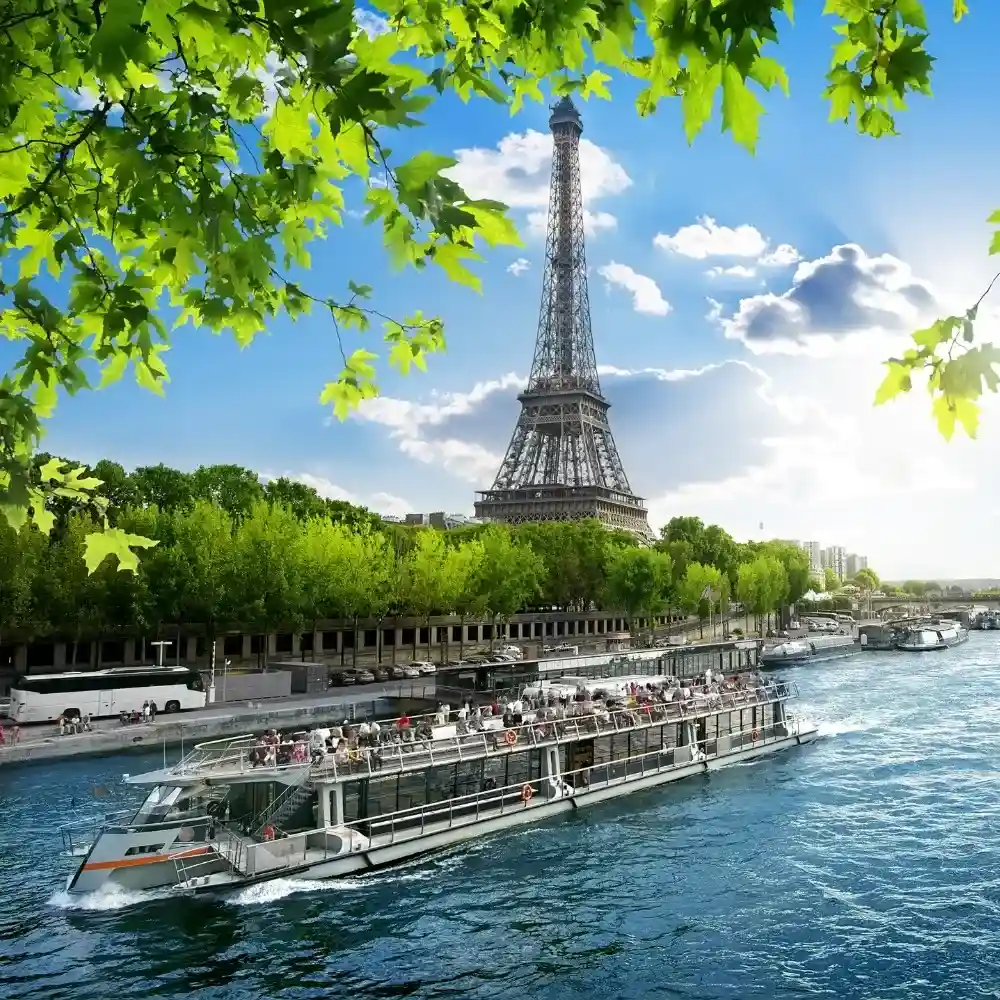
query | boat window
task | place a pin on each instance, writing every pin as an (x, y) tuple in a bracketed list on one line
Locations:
[(144, 849)]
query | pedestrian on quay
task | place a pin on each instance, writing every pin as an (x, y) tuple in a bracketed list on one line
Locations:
[(15, 736)]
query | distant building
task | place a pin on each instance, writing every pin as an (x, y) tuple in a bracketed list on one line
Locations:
[(436, 519), (835, 558), (815, 555)]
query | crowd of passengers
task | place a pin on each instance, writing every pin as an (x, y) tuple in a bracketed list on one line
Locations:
[(371, 742)]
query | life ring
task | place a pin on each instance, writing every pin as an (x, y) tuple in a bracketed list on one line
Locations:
[(755, 735), (510, 737), (268, 832), (354, 755), (526, 794)]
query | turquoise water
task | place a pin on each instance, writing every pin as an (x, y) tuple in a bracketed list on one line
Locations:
[(866, 865)]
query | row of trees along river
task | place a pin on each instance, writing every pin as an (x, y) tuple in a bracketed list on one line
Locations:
[(235, 553)]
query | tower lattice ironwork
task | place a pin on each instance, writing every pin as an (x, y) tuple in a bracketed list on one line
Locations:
[(562, 463)]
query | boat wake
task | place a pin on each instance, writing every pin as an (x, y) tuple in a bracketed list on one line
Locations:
[(112, 897), (844, 726)]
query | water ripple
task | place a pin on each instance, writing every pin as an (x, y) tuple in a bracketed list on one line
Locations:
[(864, 866)]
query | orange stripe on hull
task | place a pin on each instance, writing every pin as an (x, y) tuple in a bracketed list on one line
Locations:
[(144, 859)]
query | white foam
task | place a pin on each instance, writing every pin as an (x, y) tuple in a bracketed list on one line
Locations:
[(843, 727), (108, 897)]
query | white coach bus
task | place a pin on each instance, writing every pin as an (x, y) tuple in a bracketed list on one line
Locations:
[(104, 693)]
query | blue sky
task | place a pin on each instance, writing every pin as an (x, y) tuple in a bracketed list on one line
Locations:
[(741, 414)]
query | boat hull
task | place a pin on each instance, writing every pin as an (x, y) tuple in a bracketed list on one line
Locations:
[(412, 847), (820, 656), (906, 647)]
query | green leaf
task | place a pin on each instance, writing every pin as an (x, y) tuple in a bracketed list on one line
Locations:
[(959, 8), (939, 332), (41, 244), (114, 369), (595, 85), (741, 110), (360, 364), (424, 167), (911, 12), (118, 544), (698, 96), (897, 381)]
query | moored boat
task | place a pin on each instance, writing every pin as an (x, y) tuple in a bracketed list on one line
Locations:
[(812, 649), (929, 635), (234, 812)]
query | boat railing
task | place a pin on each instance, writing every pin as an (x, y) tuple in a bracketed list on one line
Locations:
[(242, 754), (487, 803), (415, 753)]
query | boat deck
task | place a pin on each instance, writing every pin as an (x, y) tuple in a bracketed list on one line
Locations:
[(450, 743), (298, 852)]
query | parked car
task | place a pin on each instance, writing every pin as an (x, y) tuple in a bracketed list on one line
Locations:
[(342, 678), (381, 674), (425, 669), (365, 677), (411, 673), (395, 672)]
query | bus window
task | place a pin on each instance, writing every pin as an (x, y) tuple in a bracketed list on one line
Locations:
[(194, 682)]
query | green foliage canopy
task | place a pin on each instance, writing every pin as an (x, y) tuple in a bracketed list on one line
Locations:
[(184, 155)]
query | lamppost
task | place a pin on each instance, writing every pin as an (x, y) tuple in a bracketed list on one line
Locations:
[(160, 649)]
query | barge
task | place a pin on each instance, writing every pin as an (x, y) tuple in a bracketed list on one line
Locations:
[(814, 649), (328, 804)]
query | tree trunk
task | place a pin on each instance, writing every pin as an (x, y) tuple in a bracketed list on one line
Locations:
[(428, 637), (461, 636)]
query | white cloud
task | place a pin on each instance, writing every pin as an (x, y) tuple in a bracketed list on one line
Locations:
[(379, 502), (517, 172), (783, 255), (708, 239), (519, 266), (370, 22), (837, 300), (408, 423), (646, 295), (736, 271)]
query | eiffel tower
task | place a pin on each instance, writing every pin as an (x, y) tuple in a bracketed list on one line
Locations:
[(562, 463)]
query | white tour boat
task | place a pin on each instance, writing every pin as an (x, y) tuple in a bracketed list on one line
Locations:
[(932, 635), (338, 802)]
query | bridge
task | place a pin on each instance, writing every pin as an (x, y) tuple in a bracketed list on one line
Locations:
[(933, 603)]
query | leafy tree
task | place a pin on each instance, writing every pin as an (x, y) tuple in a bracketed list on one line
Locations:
[(303, 501), (230, 487), (117, 485), (205, 544), (699, 580), (866, 579), (265, 573), (466, 593), (762, 585), (915, 587), (320, 550), (638, 580), (423, 573), (509, 574), (163, 487), (831, 582)]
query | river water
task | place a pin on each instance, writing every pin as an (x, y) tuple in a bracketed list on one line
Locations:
[(866, 865)]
